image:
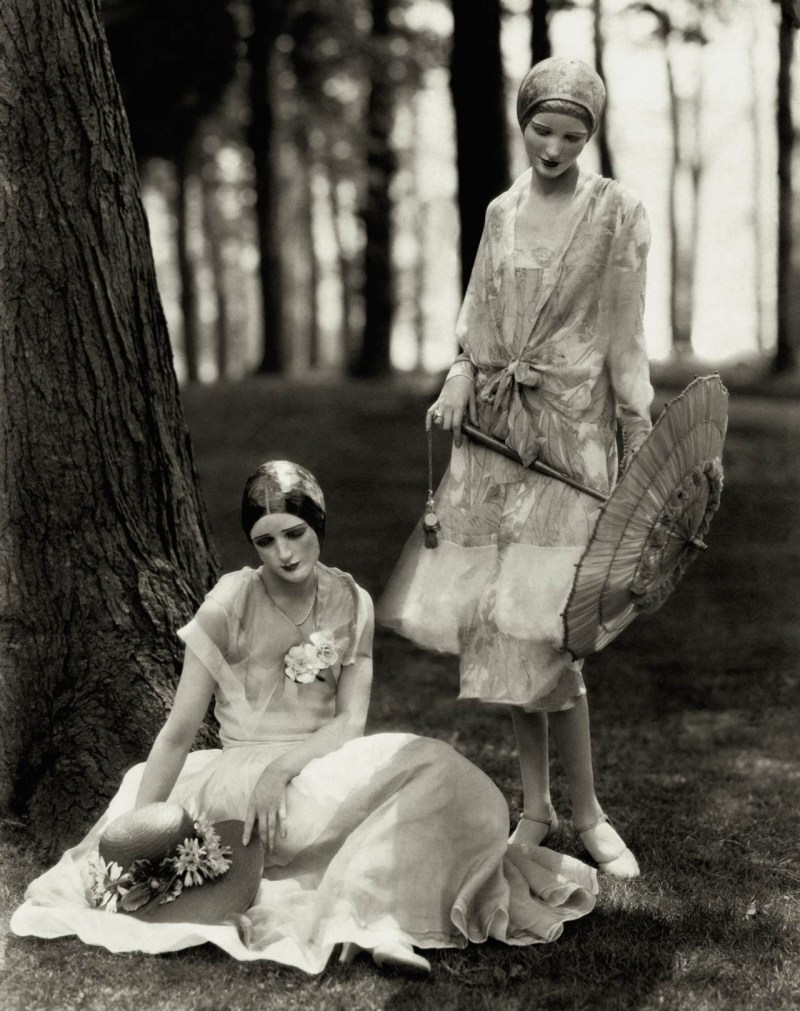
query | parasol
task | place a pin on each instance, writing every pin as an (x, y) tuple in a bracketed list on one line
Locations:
[(654, 523)]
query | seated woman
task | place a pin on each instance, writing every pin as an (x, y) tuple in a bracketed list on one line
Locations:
[(382, 843)]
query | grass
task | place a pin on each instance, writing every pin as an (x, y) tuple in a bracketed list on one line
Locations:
[(696, 731)]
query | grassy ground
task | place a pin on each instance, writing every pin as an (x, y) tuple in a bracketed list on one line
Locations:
[(696, 733)]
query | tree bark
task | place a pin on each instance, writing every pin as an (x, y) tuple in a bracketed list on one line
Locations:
[(261, 138), (785, 355), (540, 31), (104, 545), (477, 86), (374, 358)]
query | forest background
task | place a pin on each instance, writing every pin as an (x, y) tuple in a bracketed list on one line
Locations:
[(315, 173), (315, 176)]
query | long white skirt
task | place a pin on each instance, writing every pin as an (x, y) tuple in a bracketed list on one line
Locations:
[(392, 835)]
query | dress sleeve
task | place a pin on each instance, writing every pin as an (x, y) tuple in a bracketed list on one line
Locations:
[(475, 307), (628, 364), (207, 635), (364, 626)]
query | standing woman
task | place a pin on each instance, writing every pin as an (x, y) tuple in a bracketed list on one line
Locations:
[(553, 359)]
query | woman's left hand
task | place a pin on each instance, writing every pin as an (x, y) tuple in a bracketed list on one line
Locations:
[(267, 806)]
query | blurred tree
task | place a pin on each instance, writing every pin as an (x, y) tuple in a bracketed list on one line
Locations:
[(267, 21), (478, 88), (540, 30), (104, 546), (686, 160), (785, 355), (214, 235), (374, 358), (329, 57), (173, 60), (606, 162)]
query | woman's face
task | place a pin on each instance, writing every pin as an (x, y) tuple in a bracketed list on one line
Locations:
[(286, 545), (553, 142)]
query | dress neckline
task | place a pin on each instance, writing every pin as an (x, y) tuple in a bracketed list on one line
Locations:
[(305, 627)]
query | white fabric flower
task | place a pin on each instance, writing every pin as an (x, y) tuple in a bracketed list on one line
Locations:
[(327, 652), (302, 663)]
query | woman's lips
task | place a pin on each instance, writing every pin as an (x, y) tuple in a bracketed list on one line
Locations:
[(290, 567), (549, 164)]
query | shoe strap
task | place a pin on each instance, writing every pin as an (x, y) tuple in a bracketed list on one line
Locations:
[(600, 821), (540, 821)]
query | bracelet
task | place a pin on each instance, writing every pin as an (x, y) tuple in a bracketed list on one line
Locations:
[(466, 375)]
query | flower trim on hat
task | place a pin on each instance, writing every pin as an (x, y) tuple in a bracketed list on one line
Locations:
[(193, 862), (304, 662)]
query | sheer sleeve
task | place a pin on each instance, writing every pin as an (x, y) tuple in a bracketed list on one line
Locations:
[(365, 625), (628, 364), (475, 310), (207, 635)]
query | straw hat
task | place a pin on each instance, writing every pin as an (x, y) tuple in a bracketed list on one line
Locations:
[(159, 864)]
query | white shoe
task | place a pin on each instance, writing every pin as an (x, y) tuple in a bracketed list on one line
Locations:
[(398, 954), (607, 848)]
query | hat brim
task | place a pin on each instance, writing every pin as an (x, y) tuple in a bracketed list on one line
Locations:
[(214, 900)]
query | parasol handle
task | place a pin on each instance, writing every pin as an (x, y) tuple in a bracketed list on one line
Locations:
[(698, 543), (542, 468)]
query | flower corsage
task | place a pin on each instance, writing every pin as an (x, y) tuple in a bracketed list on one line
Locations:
[(193, 862), (304, 662)]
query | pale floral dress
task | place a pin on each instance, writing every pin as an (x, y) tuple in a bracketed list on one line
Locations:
[(391, 835), (553, 337)]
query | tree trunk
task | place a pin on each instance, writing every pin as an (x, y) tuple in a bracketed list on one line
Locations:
[(754, 74), (785, 356), (477, 86), (186, 269), (540, 30), (680, 339), (343, 258), (606, 163), (305, 158), (374, 358), (104, 548), (262, 138), (213, 228)]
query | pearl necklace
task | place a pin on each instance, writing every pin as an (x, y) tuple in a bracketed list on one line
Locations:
[(306, 616)]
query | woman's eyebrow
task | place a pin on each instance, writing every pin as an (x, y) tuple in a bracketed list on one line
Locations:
[(295, 526)]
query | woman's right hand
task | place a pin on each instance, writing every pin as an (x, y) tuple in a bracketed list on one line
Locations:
[(456, 400), (267, 807)]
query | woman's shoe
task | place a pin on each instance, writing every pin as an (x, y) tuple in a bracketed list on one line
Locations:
[(398, 954), (534, 831), (607, 848)]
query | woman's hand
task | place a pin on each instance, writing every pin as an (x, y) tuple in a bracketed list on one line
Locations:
[(267, 806), (456, 399)]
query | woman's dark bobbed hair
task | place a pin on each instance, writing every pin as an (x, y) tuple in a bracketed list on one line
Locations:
[(279, 486)]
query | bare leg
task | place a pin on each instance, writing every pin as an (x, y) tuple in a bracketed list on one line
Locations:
[(574, 747), (532, 746), (573, 743)]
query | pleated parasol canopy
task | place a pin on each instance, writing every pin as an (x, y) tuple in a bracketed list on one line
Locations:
[(654, 523)]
